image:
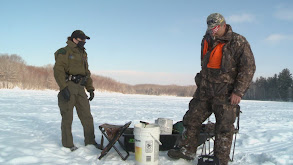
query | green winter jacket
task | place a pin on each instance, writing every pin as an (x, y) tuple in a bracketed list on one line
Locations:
[(73, 61)]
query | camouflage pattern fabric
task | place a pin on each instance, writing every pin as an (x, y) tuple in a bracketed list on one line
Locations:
[(199, 110), (214, 20), (237, 66), (215, 87)]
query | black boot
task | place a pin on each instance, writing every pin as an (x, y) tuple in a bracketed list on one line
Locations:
[(98, 146), (177, 154), (73, 148)]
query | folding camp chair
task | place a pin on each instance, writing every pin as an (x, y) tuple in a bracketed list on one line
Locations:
[(207, 153), (113, 133)]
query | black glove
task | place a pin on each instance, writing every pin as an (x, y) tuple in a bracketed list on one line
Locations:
[(65, 93), (92, 95)]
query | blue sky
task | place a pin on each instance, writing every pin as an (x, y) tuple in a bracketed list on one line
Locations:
[(145, 41)]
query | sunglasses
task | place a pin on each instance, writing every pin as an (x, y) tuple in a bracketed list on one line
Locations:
[(210, 22), (215, 29)]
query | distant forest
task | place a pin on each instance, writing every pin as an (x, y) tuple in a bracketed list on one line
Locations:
[(14, 72), (276, 88)]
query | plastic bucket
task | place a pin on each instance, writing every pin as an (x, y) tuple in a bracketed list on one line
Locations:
[(166, 125), (147, 140)]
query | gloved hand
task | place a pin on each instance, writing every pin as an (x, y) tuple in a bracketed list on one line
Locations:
[(92, 95), (65, 93)]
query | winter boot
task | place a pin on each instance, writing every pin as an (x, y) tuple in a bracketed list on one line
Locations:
[(73, 148), (98, 146), (177, 154)]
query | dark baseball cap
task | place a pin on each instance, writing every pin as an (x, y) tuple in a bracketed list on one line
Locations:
[(79, 34)]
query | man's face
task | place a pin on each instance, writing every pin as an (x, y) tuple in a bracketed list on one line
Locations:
[(219, 31), (77, 40)]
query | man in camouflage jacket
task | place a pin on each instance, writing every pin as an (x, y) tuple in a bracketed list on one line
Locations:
[(72, 76), (227, 70)]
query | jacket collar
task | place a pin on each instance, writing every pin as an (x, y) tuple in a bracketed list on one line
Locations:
[(225, 38), (228, 35), (71, 44)]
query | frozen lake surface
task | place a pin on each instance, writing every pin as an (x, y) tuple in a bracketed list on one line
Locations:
[(30, 128)]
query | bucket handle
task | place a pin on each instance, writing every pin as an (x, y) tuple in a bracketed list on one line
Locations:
[(158, 141)]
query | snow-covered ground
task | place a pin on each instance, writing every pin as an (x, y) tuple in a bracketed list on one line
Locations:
[(30, 128)]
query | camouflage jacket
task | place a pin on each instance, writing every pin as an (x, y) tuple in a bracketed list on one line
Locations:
[(73, 61), (237, 65)]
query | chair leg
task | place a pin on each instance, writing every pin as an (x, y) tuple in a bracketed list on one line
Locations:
[(102, 142), (234, 147), (120, 154), (113, 141)]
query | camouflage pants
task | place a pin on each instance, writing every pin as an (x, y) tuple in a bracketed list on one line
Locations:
[(200, 108), (78, 99)]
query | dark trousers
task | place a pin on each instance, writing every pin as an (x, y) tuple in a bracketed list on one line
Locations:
[(78, 99)]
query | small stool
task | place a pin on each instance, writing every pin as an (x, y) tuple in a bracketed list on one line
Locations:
[(113, 133)]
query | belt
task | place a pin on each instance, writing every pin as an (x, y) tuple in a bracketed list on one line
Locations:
[(76, 78)]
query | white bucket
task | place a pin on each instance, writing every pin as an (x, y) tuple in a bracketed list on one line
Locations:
[(147, 140), (166, 125)]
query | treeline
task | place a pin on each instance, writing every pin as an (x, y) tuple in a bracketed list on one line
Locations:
[(276, 88), (14, 72)]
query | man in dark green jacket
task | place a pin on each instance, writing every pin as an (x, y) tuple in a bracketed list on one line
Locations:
[(228, 67), (72, 76)]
